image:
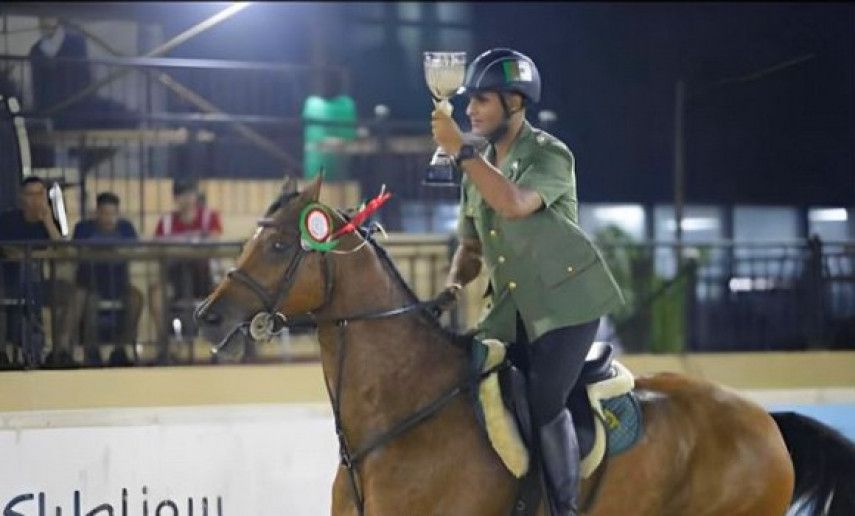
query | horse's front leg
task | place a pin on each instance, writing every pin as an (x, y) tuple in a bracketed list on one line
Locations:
[(343, 502)]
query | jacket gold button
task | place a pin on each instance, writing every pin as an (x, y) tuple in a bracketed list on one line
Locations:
[(512, 285), (570, 269), (493, 232), (501, 259)]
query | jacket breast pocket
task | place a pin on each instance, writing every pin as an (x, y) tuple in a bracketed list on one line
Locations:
[(560, 260)]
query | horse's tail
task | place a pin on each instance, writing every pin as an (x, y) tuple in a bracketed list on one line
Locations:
[(824, 464)]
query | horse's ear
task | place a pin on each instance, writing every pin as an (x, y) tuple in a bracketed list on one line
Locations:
[(313, 191), (289, 186)]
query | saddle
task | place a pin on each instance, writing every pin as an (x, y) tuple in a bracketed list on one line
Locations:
[(606, 413)]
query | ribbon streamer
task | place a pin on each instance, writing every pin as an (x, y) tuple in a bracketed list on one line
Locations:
[(372, 206)]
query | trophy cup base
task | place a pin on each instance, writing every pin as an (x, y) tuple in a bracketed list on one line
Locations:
[(440, 175)]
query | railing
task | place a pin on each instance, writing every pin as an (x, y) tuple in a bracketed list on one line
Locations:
[(143, 86), (50, 307), (725, 297), (737, 297)]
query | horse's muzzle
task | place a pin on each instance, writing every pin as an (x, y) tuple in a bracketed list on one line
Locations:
[(204, 315), (213, 318)]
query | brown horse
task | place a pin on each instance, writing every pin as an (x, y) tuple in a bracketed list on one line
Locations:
[(705, 450)]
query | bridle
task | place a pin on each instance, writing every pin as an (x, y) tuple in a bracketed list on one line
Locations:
[(271, 321)]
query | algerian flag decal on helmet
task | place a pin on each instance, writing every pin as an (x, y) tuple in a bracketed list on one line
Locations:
[(517, 70)]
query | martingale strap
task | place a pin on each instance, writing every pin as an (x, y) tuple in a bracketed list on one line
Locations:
[(424, 413), (351, 459)]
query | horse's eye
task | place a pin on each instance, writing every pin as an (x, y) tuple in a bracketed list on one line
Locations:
[(280, 246)]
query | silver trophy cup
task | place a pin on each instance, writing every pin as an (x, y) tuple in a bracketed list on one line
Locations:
[(444, 74)]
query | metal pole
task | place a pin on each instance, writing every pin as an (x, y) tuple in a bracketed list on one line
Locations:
[(318, 55), (247, 132), (679, 167), (850, 223), (206, 106), (197, 29)]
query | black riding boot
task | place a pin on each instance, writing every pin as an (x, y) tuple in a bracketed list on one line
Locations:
[(560, 452)]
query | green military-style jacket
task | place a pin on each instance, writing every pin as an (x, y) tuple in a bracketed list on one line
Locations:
[(543, 266)]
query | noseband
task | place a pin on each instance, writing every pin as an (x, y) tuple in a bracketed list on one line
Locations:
[(270, 321)]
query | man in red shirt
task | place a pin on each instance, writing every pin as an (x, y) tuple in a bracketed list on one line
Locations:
[(186, 279)]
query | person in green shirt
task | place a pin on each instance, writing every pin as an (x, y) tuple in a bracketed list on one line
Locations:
[(549, 284)]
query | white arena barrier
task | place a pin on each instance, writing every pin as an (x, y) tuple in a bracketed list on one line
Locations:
[(212, 460)]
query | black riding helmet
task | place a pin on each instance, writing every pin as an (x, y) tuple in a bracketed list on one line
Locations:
[(502, 70)]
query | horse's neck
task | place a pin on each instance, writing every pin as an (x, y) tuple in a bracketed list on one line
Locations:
[(393, 366)]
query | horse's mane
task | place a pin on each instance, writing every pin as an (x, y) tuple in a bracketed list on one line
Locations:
[(462, 340)]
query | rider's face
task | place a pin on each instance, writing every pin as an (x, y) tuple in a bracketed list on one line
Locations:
[(485, 112)]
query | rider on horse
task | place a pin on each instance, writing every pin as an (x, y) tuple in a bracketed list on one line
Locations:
[(549, 284)]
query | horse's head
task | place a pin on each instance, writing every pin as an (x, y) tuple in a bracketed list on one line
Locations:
[(275, 276)]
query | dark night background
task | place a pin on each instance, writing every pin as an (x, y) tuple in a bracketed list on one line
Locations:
[(609, 71)]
